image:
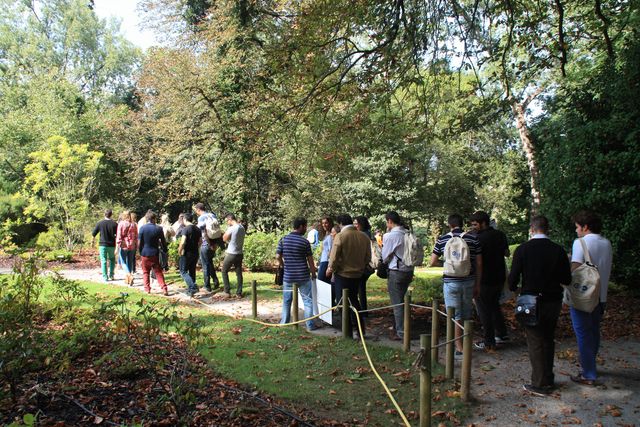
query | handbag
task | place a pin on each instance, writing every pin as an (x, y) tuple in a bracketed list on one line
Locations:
[(527, 310), (383, 270), (279, 279), (584, 291)]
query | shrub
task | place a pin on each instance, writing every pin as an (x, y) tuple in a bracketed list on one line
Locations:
[(260, 250), (51, 239)]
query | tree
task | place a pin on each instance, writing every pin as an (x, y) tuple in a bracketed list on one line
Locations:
[(59, 184)]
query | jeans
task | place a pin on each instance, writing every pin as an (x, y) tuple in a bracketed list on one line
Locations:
[(490, 313), (397, 285), (234, 260), (459, 295), (108, 254), (587, 329), (541, 345), (322, 272), (187, 264), (127, 258), (208, 270), (287, 297), (152, 263)]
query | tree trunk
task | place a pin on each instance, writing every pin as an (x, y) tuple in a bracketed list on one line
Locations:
[(527, 145)]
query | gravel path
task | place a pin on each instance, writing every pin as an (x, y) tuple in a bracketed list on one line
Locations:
[(497, 377)]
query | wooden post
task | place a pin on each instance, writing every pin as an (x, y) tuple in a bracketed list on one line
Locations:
[(346, 315), (407, 322), (254, 299), (425, 381), (435, 333), (450, 344), (467, 351), (295, 305)]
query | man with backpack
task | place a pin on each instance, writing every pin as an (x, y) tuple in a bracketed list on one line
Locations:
[(591, 247), (462, 261), (394, 245), (207, 224)]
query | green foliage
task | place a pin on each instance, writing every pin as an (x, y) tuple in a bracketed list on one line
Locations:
[(67, 292), (260, 250), (589, 146), (59, 182), (51, 239)]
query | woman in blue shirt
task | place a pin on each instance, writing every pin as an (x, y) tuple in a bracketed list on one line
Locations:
[(327, 224)]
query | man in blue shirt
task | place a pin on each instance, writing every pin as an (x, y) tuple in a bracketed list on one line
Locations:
[(294, 252), (151, 239), (207, 248)]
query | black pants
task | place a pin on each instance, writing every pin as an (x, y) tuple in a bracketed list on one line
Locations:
[(362, 292), (541, 345), (352, 285), (490, 313)]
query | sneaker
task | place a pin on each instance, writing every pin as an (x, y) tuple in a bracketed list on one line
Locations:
[(457, 355), (480, 345), (111, 278), (536, 391), (503, 340)]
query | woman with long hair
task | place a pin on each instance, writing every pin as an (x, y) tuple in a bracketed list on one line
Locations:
[(126, 244), (327, 225)]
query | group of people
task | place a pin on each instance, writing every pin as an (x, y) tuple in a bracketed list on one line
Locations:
[(121, 240), (474, 272), (473, 260)]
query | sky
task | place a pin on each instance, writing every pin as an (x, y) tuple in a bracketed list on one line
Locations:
[(125, 11)]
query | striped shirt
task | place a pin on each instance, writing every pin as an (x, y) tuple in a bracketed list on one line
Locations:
[(294, 250), (474, 250)]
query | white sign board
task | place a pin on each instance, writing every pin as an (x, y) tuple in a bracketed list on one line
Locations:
[(321, 293)]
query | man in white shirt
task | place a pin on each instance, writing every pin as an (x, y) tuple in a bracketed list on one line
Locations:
[(234, 238), (400, 275), (587, 325)]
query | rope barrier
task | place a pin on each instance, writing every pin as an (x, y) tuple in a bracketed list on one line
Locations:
[(380, 308), (373, 369), (277, 290), (450, 341), (421, 306)]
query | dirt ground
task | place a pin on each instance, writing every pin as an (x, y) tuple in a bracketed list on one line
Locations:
[(497, 377)]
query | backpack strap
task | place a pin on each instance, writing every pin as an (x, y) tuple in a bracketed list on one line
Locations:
[(585, 251)]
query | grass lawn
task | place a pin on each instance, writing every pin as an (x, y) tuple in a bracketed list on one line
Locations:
[(329, 376)]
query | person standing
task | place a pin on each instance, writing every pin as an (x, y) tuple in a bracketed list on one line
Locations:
[(400, 275), (361, 223), (190, 238), (234, 238), (151, 241), (462, 276), (350, 254), (327, 225), (294, 254), (127, 243), (494, 273), (107, 229), (207, 248), (542, 266), (313, 236), (587, 325)]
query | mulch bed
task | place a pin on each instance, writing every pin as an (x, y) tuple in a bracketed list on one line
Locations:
[(92, 393)]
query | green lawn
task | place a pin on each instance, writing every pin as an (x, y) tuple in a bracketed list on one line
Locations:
[(329, 376)]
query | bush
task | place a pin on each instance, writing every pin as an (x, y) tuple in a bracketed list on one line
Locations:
[(51, 239), (260, 250)]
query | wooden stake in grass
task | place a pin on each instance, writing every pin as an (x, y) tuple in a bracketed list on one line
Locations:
[(346, 315), (407, 322), (451, 312), (295, 305), (254, 299), (425, 381), (435, 335), (467, 350)]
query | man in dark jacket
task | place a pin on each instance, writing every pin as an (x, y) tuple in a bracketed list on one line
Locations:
[(543, 267), (151, 240), (107, 229)]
